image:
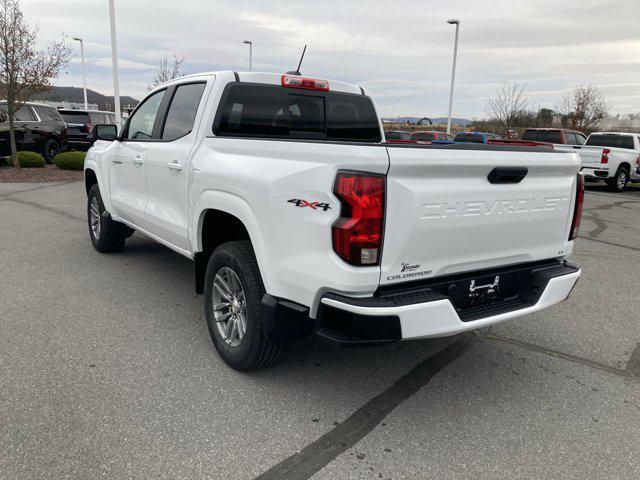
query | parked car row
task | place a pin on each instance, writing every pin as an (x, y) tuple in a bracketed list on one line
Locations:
[(38, 128), (44, 129), (610, 156)]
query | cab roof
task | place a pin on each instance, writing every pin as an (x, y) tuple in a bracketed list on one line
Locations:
[(262, 77)]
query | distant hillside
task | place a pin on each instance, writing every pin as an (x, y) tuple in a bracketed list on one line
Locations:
[(74, 94), (435, 120)]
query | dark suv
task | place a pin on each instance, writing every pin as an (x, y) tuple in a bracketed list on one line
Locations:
[(39, 128), (80, 125)]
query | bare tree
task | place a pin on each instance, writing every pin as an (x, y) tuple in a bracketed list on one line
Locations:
[(167, 71), (507, 105), (584, 107), (24, 70)]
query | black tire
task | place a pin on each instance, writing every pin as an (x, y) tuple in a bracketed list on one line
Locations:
[(619, 182), (109, 235), (51, 149), (254, 351)]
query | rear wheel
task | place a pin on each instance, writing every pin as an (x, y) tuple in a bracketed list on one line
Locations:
[(106, 234), (233, 292), (619, 181), (51, 149)]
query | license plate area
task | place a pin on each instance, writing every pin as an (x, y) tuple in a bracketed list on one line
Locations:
[(474, 291)]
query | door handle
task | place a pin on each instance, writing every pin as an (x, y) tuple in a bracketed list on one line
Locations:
[(175, 165), (507, 174), (116, 161), (137, 160)]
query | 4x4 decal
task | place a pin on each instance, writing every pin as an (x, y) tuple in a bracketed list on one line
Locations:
[(298, 202)]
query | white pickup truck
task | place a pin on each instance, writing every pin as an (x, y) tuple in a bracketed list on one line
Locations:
[(610, 156), (300, 218)]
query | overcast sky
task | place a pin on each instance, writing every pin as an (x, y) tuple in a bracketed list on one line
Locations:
[(400, 51)]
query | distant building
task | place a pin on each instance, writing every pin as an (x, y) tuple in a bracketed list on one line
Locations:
[(610, 124), (70, 105), (614, 124)]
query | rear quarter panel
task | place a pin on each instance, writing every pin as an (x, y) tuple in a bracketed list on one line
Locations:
[(255, 180)]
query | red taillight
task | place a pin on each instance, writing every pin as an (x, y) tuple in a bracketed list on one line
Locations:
[(294, 81), (357, 234), (89, 127), (577, 210), (605, 156)]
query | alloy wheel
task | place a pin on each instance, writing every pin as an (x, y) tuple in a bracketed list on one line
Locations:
[(622, 179), (229, 306), (94, 218)]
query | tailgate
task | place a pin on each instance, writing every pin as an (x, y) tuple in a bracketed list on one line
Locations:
[(590, 156), (444, 216)]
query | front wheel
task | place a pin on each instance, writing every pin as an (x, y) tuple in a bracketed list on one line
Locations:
[(233, 292), (619, 181), (106, 234)]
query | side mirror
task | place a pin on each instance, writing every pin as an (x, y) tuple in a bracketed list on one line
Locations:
[(105, 132)]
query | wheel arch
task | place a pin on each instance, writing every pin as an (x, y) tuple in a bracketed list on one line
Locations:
[(626, 166), (90, 179), (229, 218)]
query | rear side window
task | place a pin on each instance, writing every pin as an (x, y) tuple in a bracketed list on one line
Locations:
[(75, 117), (48, 114), (182, 111), (616, 141), (570, 138), (273, 111), (23, 114)]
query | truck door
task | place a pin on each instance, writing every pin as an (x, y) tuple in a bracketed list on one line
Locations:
[(127, 171), (168, 161)]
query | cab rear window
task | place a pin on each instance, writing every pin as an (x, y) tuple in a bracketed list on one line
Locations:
[(423, 137), (75, 117), (551, 136), (616, 141), (468, 138), (257, 110)]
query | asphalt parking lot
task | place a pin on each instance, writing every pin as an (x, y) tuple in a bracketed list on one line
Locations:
[(107, 370)]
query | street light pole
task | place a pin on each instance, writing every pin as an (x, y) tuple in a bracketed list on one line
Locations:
[(114, 61), (250, 43), (453, 71), (84, 73)]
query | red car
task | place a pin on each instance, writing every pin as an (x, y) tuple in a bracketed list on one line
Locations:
[(431, 136)]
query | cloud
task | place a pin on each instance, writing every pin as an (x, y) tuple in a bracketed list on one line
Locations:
[(400, 52)]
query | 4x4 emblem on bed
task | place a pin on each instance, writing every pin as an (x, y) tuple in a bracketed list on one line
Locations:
[(313, 205)]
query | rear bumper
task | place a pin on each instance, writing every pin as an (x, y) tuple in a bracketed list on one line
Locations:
[(596, 172), (425, 312), (79, 144)]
